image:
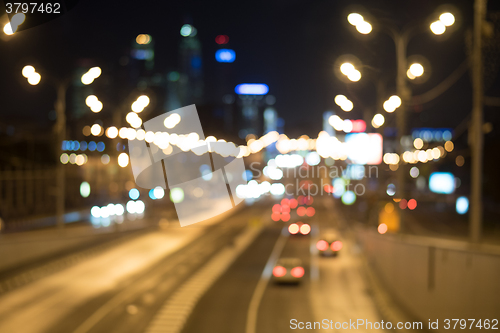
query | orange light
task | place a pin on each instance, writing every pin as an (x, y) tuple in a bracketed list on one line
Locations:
[(337, 246), (305, 229), (275, 217), (310, 211), (285, 202), (301, 211), (293, 228), (293, 203), (412, 204), (285, 209), (285, 217), (382, 228), (277, 208), (297, 272), (322, 245), (328, 188), (279, 271)]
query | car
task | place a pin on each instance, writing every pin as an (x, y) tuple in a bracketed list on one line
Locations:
[(329, 245), (288, 271), (299, 228)]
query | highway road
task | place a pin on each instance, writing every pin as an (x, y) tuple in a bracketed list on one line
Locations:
[(201, 278)]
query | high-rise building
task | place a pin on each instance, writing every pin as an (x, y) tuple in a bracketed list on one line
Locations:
[(191, 75)]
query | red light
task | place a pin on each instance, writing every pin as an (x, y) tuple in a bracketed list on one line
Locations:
[(285, 209), (403, 204), (279, 271), (322, 245), (308, 200), (297, 272), (293, 228), (285, 202), (336, 246), (300, 200), (222, 39), (277, 208), (285, 217), (310, 211), (293, 203), (301, 211), (358, 125), (305, 229), (275, 217), (328, 188), (412, 204)]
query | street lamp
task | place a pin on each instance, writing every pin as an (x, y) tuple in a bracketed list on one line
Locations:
[(344, 103), (61, 87), (401, 38)]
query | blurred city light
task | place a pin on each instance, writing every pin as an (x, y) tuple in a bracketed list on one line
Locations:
[(225, 55), (438, 27), (378, 120), (355, 18), (442, 182), (382, 228), (34, 79), (414, 172), (91, 75), (11, 27), (143, 39), (222, 39), (28, 71), (123, 160), (462, 205), (344, 103), (415, 70), (176, 195), (348, 198), (447, 19), (188, 30), (134, 194), (359, 22), (172, 120), (84, 189), (251, 89), (392, 103)]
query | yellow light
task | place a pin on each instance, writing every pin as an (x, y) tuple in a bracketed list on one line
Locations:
[(340, 99), (347, 106), (7, 29), (416, 69), (438, 28), (143, 100), (410, 75), (418, 143), (91, 100), (34, 79), (87, 79), (355, 19), (123, 160), (112, 132), (378, 120), (137, 107), (28, 71), (389, 106), (172, 120), (347, 68), (95, 72), (395, 100), (96, 107), (447, 18), (95, 129), (364, 28), (354, 75), (143, 39), (448, 146), (123, 132)]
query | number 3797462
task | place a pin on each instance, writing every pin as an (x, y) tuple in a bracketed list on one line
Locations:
[(33, 7)]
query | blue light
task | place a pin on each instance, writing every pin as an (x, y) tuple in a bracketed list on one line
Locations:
[(251, 89), (442, 182), (247, 175), (462, 205), (83, 146), (225, 55), (100, 146), (92, 146), (134, 194), (348, 198), (196, 62), (152, 194)]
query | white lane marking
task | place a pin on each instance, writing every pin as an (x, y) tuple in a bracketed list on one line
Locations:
[(258, 293), (175, 311)]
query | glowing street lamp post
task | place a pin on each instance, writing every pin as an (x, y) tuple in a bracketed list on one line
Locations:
[(61, 87), (401, 39)]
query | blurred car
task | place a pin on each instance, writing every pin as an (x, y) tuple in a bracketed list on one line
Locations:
[(329, 244), (299, 228), (288, 270)]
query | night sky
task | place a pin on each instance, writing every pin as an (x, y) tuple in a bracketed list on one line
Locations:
[(290, 45)]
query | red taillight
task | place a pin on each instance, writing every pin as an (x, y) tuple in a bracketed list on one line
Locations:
[(310, 211), (277, 208), (301, 211), (297, 272), (336, 246), (276, 217), (293, 203), (284, 202), (279, 271), (293, 228), (305, 229), (285, 209), (322, 245), (285, 217)]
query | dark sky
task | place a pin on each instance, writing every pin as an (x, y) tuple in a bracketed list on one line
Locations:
[(290, 45)]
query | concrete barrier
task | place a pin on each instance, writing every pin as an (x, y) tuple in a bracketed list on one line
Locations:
[(433, 278)]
